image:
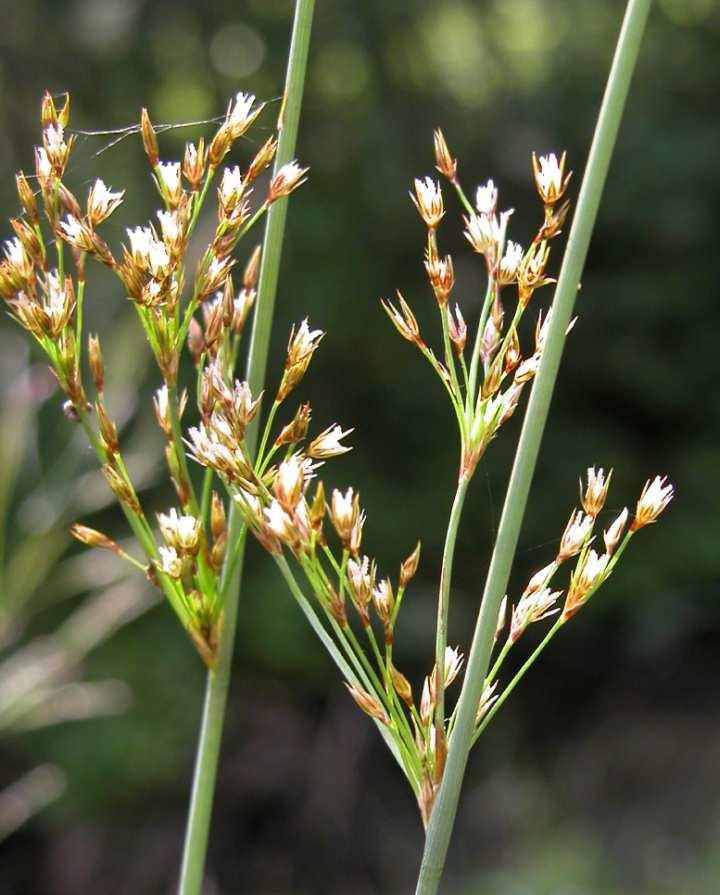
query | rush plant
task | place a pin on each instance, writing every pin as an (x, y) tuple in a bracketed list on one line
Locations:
[(260, 474)]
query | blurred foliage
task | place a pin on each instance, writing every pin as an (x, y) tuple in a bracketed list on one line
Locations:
[(599, 777)]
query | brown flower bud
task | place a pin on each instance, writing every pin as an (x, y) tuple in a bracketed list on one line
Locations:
[(402, 686), (149, 138), (368, 703), (108, 429), (97, 368), (444, 161), (94, 538), (409, 566), (218, 524), (27, 197)]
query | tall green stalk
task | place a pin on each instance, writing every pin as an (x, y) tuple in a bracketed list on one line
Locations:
[(208, 750), (443, 815)]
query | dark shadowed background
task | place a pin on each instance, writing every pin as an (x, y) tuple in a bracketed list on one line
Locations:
[(602, 776)]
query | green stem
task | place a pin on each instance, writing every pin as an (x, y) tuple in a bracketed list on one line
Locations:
[(444, 596), (443, 815), (208, 750), (529, 662)]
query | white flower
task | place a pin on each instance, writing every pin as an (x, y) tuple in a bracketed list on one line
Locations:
[(510, 262), (180, 532), (576, 531), (612, 535), (327, 443), (76, 233), (43, 165), (486, 198), (303, 343), (232, 187), (102, 202), (170, 562), (483, 232), (289, 481), (428, 200), (170, 178), (54, 139), (15, 252), (280, 523), (532, 607), (241, 114), (453, 664), (550, 178), (656, 495), (287, 179), (170, 226)]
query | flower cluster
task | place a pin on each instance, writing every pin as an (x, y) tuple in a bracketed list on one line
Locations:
[(44, 290)]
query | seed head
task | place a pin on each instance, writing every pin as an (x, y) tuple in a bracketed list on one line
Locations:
[(458, 330)]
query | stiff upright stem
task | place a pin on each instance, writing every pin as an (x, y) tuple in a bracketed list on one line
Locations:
[(443, 815), (208, 751)]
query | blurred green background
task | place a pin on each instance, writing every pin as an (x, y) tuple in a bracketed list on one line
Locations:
[(602, 777)]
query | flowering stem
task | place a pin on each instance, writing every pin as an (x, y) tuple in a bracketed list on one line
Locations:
[(443, 815), (218, 679), (519, 676), (444, 595)]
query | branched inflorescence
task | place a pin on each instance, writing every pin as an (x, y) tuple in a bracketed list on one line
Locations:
[(354, 608), (44, 290)]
